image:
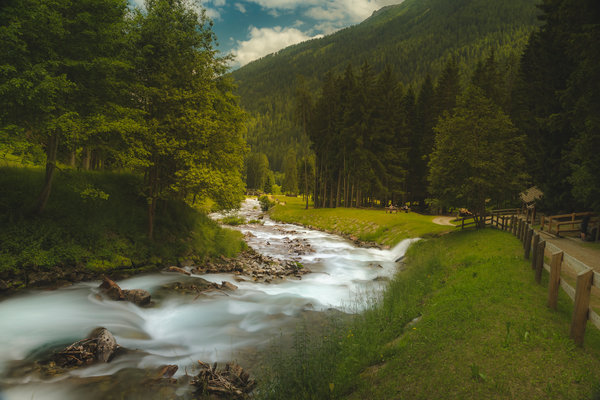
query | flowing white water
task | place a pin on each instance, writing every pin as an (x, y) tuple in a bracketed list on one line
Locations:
[(180, 330)]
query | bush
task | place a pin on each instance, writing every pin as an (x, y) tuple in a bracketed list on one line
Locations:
[(233, 220), (265, 203)]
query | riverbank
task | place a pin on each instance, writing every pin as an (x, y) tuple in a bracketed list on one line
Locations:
[(95, 223), (463, 320), (363, 225)]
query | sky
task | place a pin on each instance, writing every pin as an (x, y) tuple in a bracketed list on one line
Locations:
[(250, 29)]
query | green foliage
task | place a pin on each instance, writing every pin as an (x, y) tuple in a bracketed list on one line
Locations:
[(257, 170), (478, 155), (100, 86), (191, 146), (399, 35), (290, 170), (102, 234), (556, 103), (265, 203), (233, 220), (463, 288)]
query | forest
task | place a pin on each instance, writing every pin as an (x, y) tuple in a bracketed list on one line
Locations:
[(119, 131), (97, 85), (378, 140), (416, 37)]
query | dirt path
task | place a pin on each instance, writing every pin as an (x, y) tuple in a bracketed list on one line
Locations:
[(575, 248), (443, 221)]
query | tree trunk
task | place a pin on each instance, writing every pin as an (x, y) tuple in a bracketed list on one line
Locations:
[(331, 195), (51, 151), (85, 164), (306, 183), (152, 183), (337, 198)]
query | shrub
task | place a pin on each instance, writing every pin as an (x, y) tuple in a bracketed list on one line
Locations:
[(265, 203)]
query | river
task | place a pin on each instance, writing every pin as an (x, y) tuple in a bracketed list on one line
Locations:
[(179, 329)]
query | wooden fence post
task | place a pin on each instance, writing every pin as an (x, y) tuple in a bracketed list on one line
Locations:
[(518, 233), (554, 283), (582, 304), (513, 225), (539, 259), (542, 223), (522, 230), (527, 243), (536, 241)]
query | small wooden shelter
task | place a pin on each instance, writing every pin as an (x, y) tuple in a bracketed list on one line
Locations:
[(528, 198)]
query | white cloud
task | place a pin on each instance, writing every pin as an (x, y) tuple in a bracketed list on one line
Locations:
[(240, 8), (213, 13), (285, 4), (218, 3), (344, 12), (265, 41)]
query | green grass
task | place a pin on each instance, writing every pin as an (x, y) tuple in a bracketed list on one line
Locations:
[(98, 219), (484, 333), (373, 225)]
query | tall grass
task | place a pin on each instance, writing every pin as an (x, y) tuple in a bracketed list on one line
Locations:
[(325, 363)]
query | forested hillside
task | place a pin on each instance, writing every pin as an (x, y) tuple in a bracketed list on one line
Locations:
[(416, 38)]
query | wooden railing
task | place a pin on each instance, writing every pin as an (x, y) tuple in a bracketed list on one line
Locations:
[(538, 251), (566, 223)]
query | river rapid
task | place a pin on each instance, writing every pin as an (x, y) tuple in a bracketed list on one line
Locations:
[(178, 329)]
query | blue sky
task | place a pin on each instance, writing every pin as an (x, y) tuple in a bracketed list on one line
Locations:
[(250, 29)]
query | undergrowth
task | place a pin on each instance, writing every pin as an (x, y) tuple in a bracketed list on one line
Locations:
[(98, 219)]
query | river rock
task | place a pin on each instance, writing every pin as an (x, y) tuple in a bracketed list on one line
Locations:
[(178, 270), (100, 345), (105, 342), (3, 285), (139, 297), (228, 286), (111, 289)]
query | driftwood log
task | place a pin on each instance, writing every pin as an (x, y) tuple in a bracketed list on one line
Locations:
[(232, 382)]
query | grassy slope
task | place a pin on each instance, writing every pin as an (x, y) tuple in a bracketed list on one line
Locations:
[(367, 224), (484, 333), (101, 234)]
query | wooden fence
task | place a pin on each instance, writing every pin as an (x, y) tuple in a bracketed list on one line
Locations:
[(566, 223), (539, 251)]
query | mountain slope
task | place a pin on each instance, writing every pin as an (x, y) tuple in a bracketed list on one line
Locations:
[(416, 37)]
